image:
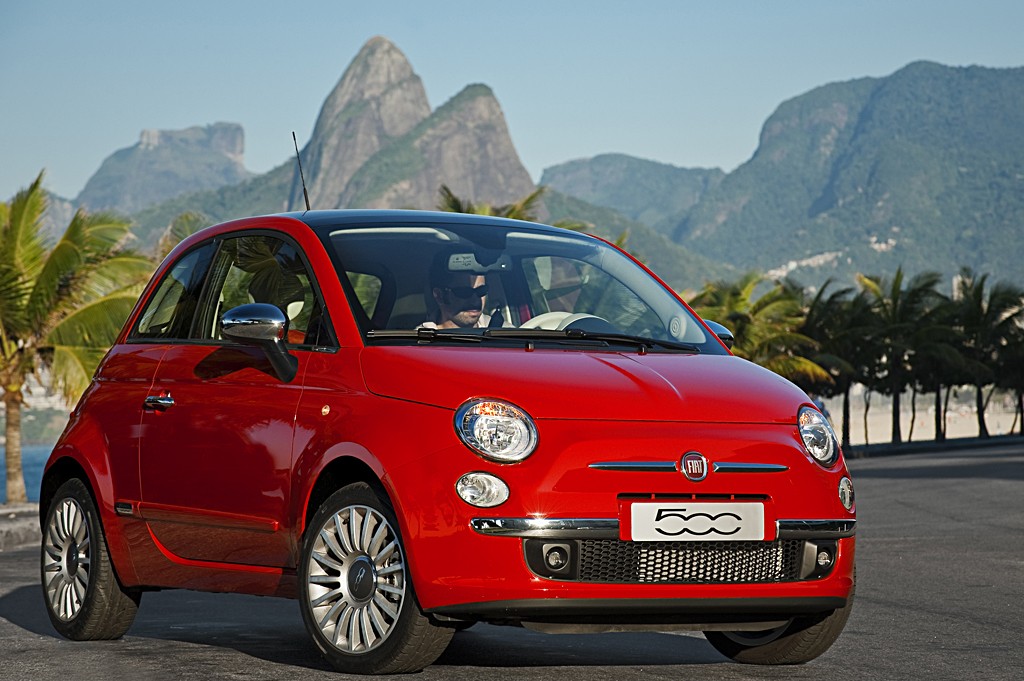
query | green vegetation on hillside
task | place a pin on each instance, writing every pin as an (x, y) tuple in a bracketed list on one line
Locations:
[(922, 169), (656, 194), (679, 267), (261, 195)]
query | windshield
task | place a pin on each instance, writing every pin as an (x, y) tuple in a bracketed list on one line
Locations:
[(464, 278)]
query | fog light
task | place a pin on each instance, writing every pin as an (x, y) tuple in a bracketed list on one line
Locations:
[(482, 490), (824, 559), (846, 493), (557, 557)]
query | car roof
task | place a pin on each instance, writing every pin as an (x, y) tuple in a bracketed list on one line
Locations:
[(342, 217)]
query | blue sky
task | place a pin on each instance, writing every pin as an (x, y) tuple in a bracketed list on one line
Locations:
[(686, 83)]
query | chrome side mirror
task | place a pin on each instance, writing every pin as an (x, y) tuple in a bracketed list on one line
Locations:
[(263, 326), (724, 334)]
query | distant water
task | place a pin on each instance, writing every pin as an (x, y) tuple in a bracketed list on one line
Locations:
[(33, 458)]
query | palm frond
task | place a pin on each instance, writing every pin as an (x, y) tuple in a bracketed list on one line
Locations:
[(72, 367), (182, 227), (13, 294), (797, 369), (523, 209), (122, 271), (94, 325), (21, 245), (105, 233), (51, 283), (450, 203)]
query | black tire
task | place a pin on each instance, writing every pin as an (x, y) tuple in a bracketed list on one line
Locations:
[(355, 593), (84, 599), (802, 640)]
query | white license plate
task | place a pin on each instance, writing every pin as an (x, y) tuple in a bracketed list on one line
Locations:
[(683, 521)]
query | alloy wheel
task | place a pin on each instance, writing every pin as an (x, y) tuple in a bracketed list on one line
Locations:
[(67, 553), (357, 579)]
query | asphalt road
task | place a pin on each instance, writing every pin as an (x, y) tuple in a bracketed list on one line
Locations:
[(940, 595)]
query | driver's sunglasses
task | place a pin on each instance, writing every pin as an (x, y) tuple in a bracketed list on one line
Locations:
[(465, 292)]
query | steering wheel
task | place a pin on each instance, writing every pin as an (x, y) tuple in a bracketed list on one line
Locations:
[(546, 320), (560, 321)]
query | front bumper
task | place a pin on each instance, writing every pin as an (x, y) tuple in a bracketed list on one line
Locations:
[(604, 583)]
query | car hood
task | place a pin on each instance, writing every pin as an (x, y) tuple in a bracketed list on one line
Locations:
[(573, 384)]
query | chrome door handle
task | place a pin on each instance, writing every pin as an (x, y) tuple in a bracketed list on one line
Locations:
[(159, 402)]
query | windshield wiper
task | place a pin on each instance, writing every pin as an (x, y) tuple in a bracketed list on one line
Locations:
[(642, 343), (425, 335)]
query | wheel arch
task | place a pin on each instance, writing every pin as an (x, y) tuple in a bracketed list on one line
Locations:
[(341, 471), (57, 473), (69, 461)]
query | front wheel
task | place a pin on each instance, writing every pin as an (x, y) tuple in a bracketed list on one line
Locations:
[(84, 599), (800, 640), (356, 596)]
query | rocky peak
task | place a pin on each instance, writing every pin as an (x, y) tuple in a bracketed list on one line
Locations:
[(378, 99), (464, 144), (226, 138), (164, 164)]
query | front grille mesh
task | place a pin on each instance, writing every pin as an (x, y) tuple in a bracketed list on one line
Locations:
[(746, 562)]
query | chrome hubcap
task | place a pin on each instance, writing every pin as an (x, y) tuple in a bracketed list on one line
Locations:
[(66, 559), (356, 581)]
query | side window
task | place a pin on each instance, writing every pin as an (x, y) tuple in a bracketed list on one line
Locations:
[(262, 269), (367, 290), (171, 309)]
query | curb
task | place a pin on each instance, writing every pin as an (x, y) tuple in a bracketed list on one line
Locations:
[(19, 526), (925, 446)]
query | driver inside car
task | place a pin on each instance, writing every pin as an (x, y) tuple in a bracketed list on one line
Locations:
[(460, 298)]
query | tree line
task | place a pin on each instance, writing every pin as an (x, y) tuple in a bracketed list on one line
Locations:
[(63, 304), (890, 334)]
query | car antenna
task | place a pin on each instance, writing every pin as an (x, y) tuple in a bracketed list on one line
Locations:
[(301, 177)]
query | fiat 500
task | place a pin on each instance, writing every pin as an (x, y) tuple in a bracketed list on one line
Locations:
[(414, 421)]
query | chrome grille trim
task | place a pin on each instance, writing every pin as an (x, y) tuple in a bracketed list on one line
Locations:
[(608, 528), (736, 467), (644, 466), (673, 467), (553, 528)]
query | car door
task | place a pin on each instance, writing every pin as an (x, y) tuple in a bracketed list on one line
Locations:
[(216, 457)]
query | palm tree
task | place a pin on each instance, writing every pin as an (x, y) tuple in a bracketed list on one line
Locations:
[(183, 226), (766, 328), (903, 323), (60, 308), (837, 322), (1011, 372), (523, 209), (988, 320), (937, 362)]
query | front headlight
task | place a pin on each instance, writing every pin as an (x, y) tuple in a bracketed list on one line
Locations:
[(497, 430), (818, 437)]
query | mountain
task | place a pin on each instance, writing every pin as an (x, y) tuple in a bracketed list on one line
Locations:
[(465, 144), (259, 195), (679, 267), (378, 99), (375, 144), (164, 164), (922, 169), (657, 194)]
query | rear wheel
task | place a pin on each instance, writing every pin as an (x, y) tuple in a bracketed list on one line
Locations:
[(84, 600), (356, 596), (801, 640)]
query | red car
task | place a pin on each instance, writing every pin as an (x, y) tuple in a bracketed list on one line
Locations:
[(415, 421)]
